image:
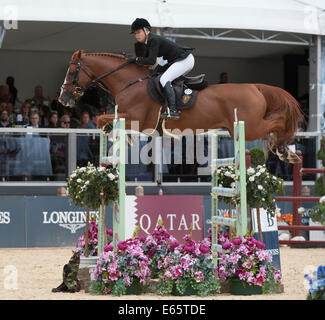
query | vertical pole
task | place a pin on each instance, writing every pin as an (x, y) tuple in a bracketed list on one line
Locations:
[(214, 201), (101, 211), (240, 169), (119, 162), (122, 145), (297, 187)]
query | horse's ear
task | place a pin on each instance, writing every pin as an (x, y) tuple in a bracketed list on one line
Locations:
[(79, 54)]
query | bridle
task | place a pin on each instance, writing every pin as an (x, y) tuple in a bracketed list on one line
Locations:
[(79, 91)]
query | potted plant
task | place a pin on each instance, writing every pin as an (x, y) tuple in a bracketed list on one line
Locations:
[(124, 271), (188, 269), (260, 188), (92, 187), (247, 266)]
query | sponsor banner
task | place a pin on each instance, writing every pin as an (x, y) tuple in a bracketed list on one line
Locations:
[(52, 221), (12, 222), (178, 214), (270, 235)]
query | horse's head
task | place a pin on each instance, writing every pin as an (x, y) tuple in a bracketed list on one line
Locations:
[(75, 81)]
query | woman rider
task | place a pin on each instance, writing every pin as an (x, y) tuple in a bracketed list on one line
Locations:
[(149, 47)]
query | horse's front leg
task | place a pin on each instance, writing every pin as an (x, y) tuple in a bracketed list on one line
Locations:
[(105, 121)]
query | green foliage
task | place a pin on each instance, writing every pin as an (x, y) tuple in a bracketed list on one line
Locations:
[(86, 184), (317, 213), (257, 156), (321, 152), (319, 187)]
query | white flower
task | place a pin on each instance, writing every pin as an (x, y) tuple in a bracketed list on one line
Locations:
[(259, 187), (101, 169), (79, 180), (250, 171), (86, 182), (301, 210), (322, 200), (111, 176), (233, 184), (251, 179), (73, 175), (262, 170), (258, 174), (227, 174)]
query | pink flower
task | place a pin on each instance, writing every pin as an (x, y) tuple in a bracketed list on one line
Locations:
[(236, 241), (122, 245), (204, 249), (173, 245), (260, 244), (226, 245), (109, 247), (109, 232), (126, 278)]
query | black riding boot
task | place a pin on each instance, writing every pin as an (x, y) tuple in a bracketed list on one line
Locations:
[(171, 98)]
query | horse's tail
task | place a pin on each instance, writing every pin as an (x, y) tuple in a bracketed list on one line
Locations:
[(285, 110)]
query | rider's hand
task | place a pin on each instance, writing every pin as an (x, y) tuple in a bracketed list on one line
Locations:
[(132, 59)]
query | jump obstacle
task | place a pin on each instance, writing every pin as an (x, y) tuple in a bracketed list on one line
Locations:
[(239, 221), (118, 161)]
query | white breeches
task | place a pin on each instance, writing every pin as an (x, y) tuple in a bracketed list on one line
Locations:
[(177, 69)]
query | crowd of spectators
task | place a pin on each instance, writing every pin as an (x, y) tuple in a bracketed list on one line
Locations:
[(41, 112)]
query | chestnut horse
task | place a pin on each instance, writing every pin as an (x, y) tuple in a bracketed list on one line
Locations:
[(268, 112)]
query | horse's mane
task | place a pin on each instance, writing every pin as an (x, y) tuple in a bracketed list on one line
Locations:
[(103, 54)]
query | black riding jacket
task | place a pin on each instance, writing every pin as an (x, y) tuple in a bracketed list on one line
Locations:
[(158, 46)]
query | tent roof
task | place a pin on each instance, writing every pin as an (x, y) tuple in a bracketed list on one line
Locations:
[(299, 16)]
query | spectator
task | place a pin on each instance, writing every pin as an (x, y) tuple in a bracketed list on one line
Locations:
[(3, 106), (13, 90), (34, 120), (23, 116), (84, 119), (53, 120), (38, 98), (44, 116), (223, 77), (4, 119), (93, 123), (71, 112), (5, 95), (65, 121)]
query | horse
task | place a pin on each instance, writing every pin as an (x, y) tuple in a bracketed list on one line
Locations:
[(268, 112)]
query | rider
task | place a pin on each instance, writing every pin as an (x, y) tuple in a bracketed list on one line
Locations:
[(149, 47)]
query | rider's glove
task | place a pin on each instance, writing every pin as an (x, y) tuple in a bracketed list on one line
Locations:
[(132, 59)]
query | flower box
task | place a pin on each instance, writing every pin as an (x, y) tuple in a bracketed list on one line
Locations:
[(239, 287)]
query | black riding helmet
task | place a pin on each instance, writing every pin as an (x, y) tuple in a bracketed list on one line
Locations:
[(140, 23)]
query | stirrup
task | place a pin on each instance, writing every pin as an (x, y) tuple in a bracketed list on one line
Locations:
[(165, 114)]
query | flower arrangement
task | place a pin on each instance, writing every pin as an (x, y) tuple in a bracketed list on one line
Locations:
[(188, 269), (117, 270), (92, 239), (244, 258), (86, 184), (317, 284), (159, 255), (260, 188), (285, 217)]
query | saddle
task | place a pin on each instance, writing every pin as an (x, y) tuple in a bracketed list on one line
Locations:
[(186, 90)]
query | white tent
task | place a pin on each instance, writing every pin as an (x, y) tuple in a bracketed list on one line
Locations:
[(276, 15)]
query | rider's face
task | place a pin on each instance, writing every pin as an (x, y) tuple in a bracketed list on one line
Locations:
[(140, 35)]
